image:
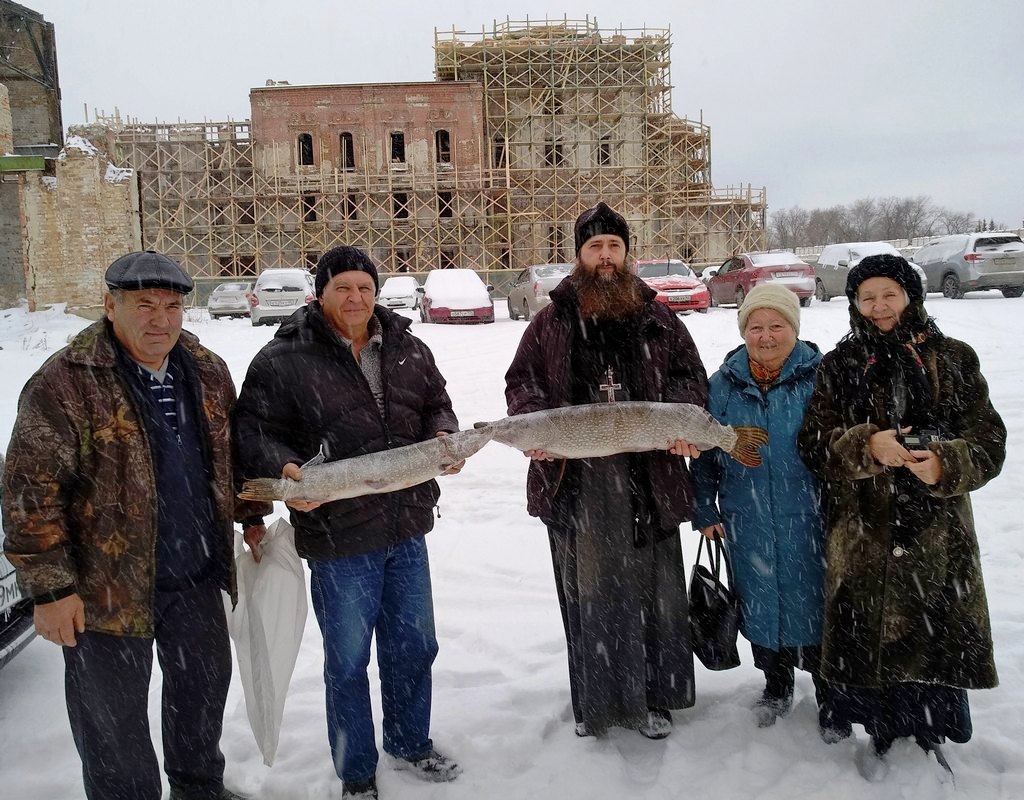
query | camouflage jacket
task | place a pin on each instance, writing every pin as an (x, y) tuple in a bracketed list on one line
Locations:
[(79, 499), (904, 595)]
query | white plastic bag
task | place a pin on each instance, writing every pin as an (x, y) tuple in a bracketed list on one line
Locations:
[(267, 626)]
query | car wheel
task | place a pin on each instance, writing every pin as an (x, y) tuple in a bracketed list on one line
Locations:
[(526, 311), (702, 310), (424, 316), (740, 294), (511, 309), (805, 301), (820, 293), (1013, 291), (254, 322), (951, 287)]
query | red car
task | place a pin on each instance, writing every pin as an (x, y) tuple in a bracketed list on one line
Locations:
[(676, 284), (732, 281)]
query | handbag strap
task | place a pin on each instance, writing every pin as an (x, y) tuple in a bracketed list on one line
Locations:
[(716, 556)]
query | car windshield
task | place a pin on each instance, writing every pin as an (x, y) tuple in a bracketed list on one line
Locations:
[(661, 269), (997, 243), (774, 259), (230, 287), (551, 270)]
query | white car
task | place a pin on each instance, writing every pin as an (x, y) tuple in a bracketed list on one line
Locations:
[(456, 295), (400, 291), (278, 293)]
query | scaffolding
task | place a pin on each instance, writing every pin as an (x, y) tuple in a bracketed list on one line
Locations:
[(575, 114), (572, 114)]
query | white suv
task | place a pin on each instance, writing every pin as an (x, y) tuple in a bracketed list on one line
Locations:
[(278, 293), (965, 262)]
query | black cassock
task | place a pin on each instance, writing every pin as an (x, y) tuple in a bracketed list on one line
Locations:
[(620, 577)]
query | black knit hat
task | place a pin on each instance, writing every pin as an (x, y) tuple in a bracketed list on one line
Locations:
[(597, 221), (343, 259), (889, 266), (147, 270)]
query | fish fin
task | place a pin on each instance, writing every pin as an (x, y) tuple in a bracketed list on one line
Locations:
[(376, 484), (316, 460), (748, 440), (261, 489), (477, 425)]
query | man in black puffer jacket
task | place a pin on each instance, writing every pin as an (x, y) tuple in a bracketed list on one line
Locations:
[(346, 377)]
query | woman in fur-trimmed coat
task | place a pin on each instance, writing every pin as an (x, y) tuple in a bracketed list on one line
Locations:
[(906, 628)]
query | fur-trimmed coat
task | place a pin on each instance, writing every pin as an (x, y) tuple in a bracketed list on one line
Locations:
[(904, 596), (80, 502)]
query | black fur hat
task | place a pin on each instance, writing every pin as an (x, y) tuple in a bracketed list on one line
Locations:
[(896, 268), (597, 221), (343, 259)]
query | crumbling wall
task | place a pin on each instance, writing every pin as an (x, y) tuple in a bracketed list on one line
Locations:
[(77, 221), (6, 125)]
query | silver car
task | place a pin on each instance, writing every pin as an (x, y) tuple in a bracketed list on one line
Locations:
[(836, 261), (965, 262), (229, 300), (528, 293), (278, 293)]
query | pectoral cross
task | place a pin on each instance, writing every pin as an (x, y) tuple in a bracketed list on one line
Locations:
[(609, 386)]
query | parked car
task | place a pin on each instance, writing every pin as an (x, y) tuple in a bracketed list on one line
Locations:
[(530, 291), (676, 284), (278, 293), (400, 291), (456, 295), (16, 625), (836, 261), (734, 279), (229, 300), (964, 262)]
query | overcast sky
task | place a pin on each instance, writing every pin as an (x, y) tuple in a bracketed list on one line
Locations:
[(821, 102)]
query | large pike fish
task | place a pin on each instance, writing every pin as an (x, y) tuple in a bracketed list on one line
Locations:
[(604, 429), (373, 473)]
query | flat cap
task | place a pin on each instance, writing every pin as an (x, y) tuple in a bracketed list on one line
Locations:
[(147, 270)]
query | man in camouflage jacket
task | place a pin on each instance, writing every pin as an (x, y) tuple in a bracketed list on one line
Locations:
[(118, 507)]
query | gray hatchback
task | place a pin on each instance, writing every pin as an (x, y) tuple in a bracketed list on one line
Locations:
[(965, 262), (528, 293)]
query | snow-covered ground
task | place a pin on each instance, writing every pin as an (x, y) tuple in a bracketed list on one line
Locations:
[(501, 697)]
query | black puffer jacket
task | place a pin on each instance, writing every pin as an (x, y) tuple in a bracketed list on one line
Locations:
[(304, 391)]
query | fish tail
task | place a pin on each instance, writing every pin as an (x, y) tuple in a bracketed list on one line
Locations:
[(748, 440), (261, 489)]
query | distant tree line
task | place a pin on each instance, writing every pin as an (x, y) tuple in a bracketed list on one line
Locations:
[(869, 220)]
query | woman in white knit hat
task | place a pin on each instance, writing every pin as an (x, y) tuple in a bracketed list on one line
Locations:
[(770, 517)]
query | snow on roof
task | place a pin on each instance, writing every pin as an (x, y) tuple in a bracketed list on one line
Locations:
[(80, 144), (118, 174)]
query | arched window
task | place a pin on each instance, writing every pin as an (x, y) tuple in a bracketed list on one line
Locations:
[(348, 151), (443, 147), (305, 149)]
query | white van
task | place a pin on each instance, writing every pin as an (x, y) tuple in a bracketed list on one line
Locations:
[(836, 261)]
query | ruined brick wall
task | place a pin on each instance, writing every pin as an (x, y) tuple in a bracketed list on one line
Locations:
[(6, 126), (12, 272), (78, 221), (30, 74)]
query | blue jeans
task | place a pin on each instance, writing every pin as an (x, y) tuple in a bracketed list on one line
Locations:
[(386, 591)]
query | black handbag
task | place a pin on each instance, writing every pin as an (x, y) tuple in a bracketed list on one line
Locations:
[(714, 611)]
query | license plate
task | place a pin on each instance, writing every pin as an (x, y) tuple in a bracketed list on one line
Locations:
[(787, 274), (462, 313), (679, 297), (279, 302), (1004, 261)]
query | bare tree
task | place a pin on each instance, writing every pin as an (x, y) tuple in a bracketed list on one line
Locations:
[(956, 221), (862, 218)]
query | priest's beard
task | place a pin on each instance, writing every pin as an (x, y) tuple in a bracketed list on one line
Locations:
[(606, 297)]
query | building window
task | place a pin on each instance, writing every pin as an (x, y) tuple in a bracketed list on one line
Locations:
[(350, 207), (246, 265), (604, 151), (397, 147), (405, 259), (309, 208), (500, 158), (400, 205), (553, 154), (444, 204), (305, 149), (443, 146), (227, 266), (554, 244), (348, 151), (246, 213), (310, 259), (448, 258)]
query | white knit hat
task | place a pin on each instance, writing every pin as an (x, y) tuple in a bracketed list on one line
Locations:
[(773, 296)]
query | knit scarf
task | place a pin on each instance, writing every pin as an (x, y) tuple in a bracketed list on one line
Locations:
[(763, 376)]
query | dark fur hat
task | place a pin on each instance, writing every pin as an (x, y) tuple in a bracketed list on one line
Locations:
[(896, 268), (343, 259), (597, 221)]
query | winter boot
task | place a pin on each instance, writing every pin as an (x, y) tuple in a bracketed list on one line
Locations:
[(770, 707), (940, 757), (225, 794), (361, 790), (431, 767), (658, 725)]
